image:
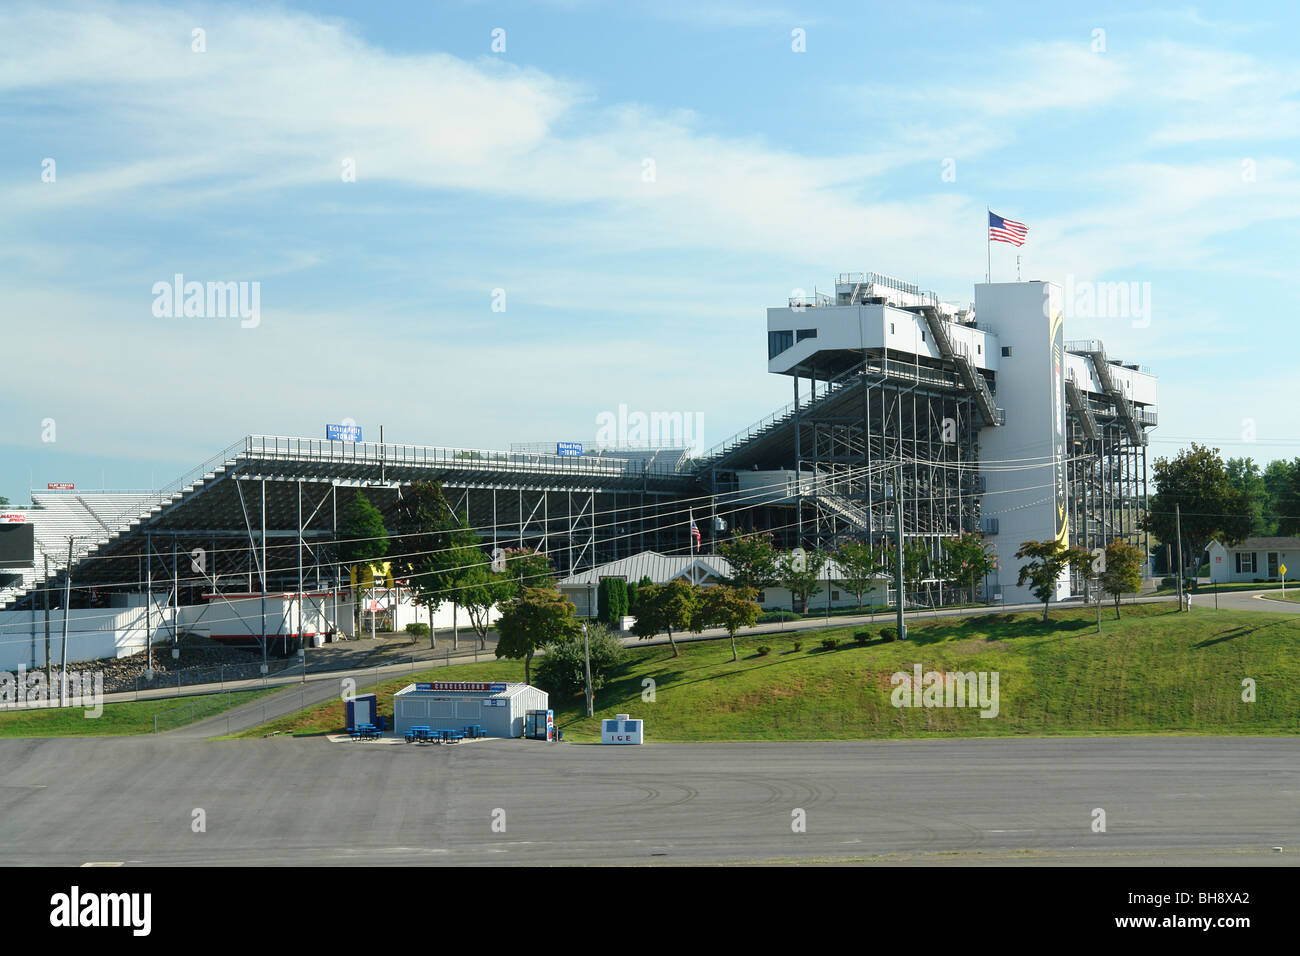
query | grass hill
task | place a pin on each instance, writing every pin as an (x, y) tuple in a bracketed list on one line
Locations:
[(1155, 671)]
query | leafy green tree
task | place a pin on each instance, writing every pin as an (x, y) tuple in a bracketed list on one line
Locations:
[(1123, 574), (632, 588), (800, 575), (363, 535), (1248, 478), (424, 520), (531, 620), (966, 560), (1197, 482), (562, 672), (363, 539), (862, 565), (1286, 477), (1279, 481), (530, 568), (752, 559), (1045, 562), (728, 607), (611, 601), (665, 607)]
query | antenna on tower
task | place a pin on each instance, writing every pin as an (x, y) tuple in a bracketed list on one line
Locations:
[(1017, 268)]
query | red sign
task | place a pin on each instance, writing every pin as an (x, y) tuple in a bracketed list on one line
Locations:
[(60, 486), (13, 517), (461, 685)]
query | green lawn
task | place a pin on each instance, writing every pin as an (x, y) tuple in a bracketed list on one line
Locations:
[(1234, 586), (121, 719), (1156, 671), (1292, 594)]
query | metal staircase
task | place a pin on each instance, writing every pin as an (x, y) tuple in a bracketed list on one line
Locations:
[(970, 376), (1096, 351), (1081, 408)]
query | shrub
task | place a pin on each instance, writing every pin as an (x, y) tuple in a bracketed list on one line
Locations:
[(889, 633), (764, 650), (862, 636), (798, 645), (1168, 581), (561, 671), (829, 644), (417, 629)]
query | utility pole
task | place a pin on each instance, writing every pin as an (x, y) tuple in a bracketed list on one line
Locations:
[(586, 654), (1178, 526), (67, 612), (45, 589), (898, 549)]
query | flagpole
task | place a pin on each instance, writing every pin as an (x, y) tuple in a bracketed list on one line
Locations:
[(988, 245)]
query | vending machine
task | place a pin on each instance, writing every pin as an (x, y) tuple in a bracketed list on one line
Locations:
[(539, 725)]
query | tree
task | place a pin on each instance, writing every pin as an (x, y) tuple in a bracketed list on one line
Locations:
[(481, 589), (562, 669), (632, 588), (1279, 483), (1123, 573), (364, 538), (1047, 560), (1197, 482), (1287, 479), (800, 575), (862, 566), (728, 607), (1247, 478), (424, 520), (916, 560), (530, 568), (665, 607), (752, 559), (966, 560), (611, 601), (531, 620)]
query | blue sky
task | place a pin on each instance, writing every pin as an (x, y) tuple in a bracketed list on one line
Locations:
[(1163, 154)]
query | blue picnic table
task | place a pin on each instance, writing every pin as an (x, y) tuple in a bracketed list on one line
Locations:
[(365, 732)]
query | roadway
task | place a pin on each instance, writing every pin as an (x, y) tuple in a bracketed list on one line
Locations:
[(310, 801)]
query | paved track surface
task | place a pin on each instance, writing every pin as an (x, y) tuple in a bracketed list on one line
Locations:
[(1169, 801)]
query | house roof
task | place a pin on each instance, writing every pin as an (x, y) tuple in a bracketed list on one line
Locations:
[(1266, 544), (662, 568)]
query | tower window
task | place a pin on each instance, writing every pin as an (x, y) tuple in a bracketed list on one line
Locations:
[(802, 334), (778, 342), (1006, 351)]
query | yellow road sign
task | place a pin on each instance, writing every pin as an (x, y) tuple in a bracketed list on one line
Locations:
[(1282, 568)]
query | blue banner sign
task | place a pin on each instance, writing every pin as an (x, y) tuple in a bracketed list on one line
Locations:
[(343, 433), (569, 449)]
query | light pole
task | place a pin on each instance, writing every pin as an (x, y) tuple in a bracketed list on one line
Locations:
[(586, 655)]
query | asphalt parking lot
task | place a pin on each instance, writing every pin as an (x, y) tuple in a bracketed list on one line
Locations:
[(1174, 801)]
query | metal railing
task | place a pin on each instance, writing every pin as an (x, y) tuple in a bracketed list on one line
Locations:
[(399, 455)]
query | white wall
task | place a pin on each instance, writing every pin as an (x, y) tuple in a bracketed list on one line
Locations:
[(1030, 386), (93, 634)]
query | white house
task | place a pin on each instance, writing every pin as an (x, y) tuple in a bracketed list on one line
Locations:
[(1254, 559), (705, 570)]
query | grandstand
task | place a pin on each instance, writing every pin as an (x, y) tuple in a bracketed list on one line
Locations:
[(996, 426)]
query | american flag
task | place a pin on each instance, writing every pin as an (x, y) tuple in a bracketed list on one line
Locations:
[(1006, 230), (695, 533)]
